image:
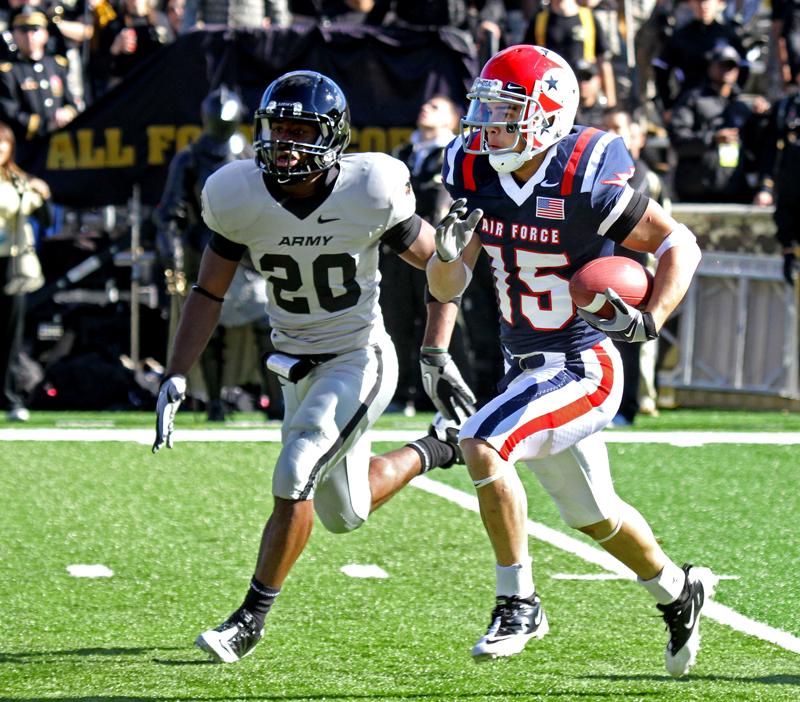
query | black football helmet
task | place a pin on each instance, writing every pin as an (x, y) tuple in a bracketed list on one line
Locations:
[(304, 96), (222, 113)]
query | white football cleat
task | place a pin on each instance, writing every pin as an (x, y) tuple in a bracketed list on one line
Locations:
[(514, 622), (232, 640), (683, 620)]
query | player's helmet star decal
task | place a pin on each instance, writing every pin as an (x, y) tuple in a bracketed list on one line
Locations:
[(551, 83)]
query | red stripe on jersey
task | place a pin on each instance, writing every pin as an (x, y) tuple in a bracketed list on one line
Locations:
[(564, 415), (468, 164), (469, 178), (572, 164)]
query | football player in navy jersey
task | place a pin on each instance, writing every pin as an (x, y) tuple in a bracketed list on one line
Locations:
[(313, 219), (546, 198)]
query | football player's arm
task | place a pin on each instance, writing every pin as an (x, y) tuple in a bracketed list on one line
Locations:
[(198, 320), (457, 249), (678, 253), (200, 314), (441, 378), (449, 280), (422, 248)]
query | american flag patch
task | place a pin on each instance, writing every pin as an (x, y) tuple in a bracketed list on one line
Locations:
[(550, 207)]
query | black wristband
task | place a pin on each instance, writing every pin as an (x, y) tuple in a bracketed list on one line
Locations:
[(209, 295), (649, 326)]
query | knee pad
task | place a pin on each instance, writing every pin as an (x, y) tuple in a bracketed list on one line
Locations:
[(579, 481), (343, 498)]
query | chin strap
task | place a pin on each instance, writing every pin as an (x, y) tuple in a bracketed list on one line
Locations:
[(509, 162)]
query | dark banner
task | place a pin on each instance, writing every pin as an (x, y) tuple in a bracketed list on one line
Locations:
[(131, 134)]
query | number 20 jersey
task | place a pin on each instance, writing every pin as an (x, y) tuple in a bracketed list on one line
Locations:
[(322, 270), (538, 234)]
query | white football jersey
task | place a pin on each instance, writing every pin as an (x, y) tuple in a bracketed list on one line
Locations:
[(321, 271)]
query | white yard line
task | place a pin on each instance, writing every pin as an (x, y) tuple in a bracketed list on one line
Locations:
[(592, 554), (146, 436), (586, 551)]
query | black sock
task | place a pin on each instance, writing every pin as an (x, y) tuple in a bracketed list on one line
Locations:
[(259, 599), (433, 452)]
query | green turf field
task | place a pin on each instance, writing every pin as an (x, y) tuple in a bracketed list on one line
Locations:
[(179, 531)]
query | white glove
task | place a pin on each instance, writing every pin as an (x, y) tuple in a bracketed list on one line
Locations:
[(170, 395), (444, 385), (455, 231), (628, 324)]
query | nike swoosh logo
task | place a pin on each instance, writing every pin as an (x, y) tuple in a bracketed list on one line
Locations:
[(692, 618), (324, 221), (549, 185)]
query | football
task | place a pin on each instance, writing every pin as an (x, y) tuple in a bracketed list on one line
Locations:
[(629, 279)]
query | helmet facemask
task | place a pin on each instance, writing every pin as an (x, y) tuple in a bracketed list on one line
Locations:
[(314, 158), (536, 127)]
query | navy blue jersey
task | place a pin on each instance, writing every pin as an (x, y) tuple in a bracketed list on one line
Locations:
[(538, 234)]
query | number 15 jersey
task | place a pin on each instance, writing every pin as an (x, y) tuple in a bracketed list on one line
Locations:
[(322, 268), (538, 234)]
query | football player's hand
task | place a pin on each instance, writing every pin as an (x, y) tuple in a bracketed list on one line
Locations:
[(628, 324), (455, 230), (444, 385), (172, 392), (789, 267)]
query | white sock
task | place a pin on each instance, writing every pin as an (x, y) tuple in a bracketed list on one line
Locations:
[(515, 579), (667, 586)]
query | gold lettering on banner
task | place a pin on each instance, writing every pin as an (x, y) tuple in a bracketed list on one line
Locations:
[(372, 139), (117, 155), (88, 155), (160, 138), (187, 134), (61, 153), (96, 148)]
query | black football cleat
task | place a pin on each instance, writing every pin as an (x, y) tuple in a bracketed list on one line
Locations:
[(232, 640), (514, 622), (683, 619)]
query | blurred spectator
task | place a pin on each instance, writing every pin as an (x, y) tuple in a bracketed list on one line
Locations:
[(482, 19), (34, 95), (638, 360), (683, 63), (573, 33), (405, 314), (20, 196), (176, 10), (327, 11), (606, 15), (69, 22), (789, 47), (183, 236), (781, 169), (235, 13), (716, 136), (128, 38), (593, 104), (651, 27)]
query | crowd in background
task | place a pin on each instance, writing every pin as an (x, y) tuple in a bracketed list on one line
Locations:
[(703, 91)]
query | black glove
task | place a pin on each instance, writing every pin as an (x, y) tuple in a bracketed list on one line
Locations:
[(789, 267), (628, 324), (444, 385)]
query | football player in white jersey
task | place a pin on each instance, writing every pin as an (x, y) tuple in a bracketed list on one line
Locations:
[(549, 198), (312, 219)]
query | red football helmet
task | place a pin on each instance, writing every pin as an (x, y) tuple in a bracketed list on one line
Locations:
[(527, 90)]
